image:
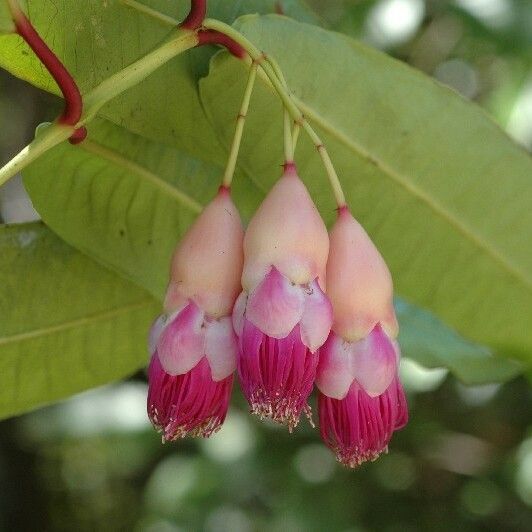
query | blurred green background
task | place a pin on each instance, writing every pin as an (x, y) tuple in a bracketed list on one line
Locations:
[(464, 462)]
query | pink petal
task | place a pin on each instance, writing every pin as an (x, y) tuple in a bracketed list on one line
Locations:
[(276, 305), (221, 347), (182, 342), (191, 404), (375, 362), (276, 375), (335, 368), (359, 427), (317, 317), (402, 406), (238, 313)]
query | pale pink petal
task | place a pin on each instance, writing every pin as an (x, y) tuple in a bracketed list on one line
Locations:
[(238, 313), (174, 300), (397, 349), (375, 362), (221, 347), (335, 369), (276, 305), (182, 342), (317, 317), (155, 331)]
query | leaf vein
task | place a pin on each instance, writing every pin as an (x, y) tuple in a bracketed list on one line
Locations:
[(72, 324)]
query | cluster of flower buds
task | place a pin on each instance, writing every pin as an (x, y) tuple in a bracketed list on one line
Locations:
[(288, 305)]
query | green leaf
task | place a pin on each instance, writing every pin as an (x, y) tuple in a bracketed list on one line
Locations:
[(125, 200), (6, 22), (444, 193), (97, 39), (427, 340), (67, 324)]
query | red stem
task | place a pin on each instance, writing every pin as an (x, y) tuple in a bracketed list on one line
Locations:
[(71, 94), (215, 37), (78, 136), (196, 15)]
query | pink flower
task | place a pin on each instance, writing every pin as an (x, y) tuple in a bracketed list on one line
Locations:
[(193, 345), (361, 400), (282, 316)]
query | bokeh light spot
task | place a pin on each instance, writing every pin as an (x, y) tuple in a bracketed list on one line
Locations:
[(395, 471), (170, 482), (315, 463), (392, 22), (228, 519), (523, 479), (417, 378), (481, 497), (493, 13), (235, 439), (460, 76)]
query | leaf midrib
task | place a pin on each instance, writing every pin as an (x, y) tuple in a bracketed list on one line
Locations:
[(72, 324)]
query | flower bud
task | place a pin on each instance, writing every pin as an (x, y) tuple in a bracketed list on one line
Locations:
[(361, 400), (193, 345), (282, 316)]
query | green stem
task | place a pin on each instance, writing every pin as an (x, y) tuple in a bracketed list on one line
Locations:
[(287, 135), (50, 137), (287, 100), (289, 147), (136, 72), (290, 137), (289, 144), (295, 134), (239, 129), (98, 97)]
